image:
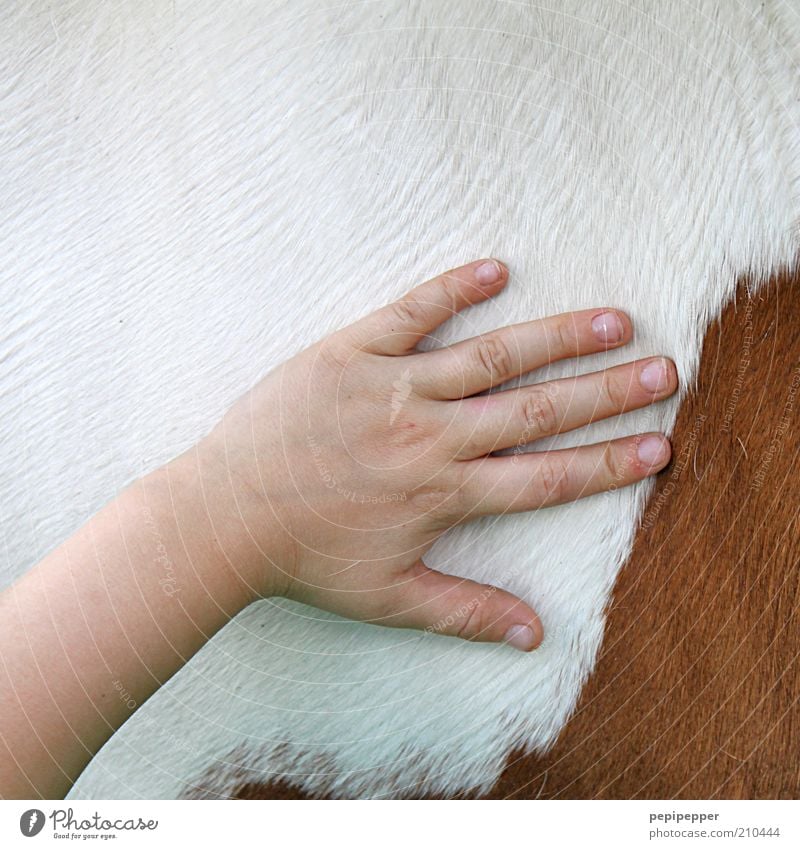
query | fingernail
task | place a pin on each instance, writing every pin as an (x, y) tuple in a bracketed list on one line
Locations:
[(487, 272), (607, 327), (520, 637), (654, 377), (652, 450)]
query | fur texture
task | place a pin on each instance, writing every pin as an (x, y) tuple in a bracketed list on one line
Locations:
[(191, 194)]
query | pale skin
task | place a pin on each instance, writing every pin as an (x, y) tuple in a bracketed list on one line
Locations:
[(326, 483)]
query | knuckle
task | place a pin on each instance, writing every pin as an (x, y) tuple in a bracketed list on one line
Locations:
[(336, 352), (444, 501), (434, 499), (540, 416), (408, 311), (473, 620), (563, 337), (450, 292), (613, 392), (552, 481), (609, 466), (493, 358)]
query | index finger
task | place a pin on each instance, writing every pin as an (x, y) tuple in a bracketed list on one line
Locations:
[(397, 328)]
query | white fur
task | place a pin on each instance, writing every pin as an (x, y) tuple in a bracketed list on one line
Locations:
[(193, 192)]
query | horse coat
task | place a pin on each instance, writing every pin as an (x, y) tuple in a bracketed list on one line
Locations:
[(192, 194)]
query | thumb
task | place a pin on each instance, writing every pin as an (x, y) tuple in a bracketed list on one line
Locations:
[(444, 604)]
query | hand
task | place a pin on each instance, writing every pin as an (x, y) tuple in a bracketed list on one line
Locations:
[(349, 460), (326, 483)]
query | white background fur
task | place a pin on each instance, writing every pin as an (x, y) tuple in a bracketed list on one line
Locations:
[(193, 192)]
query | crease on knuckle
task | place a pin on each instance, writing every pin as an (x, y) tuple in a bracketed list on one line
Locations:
[(611, 472), (450, 292), (408, 312), (612, 393), (540, 416), (494, 358), (472, 625), (564, 341), (552, 481)]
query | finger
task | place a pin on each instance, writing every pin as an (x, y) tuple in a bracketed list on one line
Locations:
[(517, 416), (528, 481), (398, 327), (444, 604), (482, 362)]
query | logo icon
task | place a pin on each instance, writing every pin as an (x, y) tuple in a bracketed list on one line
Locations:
[(402, 389), (31, 822)]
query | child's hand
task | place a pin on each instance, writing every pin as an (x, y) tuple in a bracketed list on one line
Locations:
[(349, 460), (327, 483)]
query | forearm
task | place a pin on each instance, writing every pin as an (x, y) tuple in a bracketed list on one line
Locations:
[(95, 628)]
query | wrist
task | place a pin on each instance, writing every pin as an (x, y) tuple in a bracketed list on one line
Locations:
[(231, 526)]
